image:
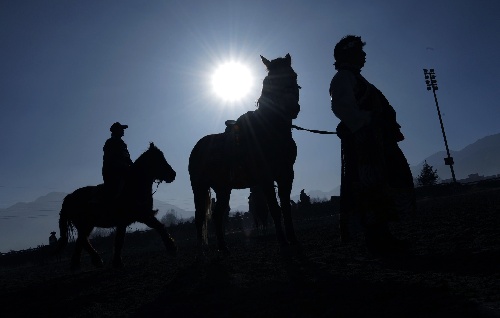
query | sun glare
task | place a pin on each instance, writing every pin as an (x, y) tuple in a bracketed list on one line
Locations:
[(232, 81)]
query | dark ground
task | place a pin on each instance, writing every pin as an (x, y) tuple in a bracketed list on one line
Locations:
[(452, 270)]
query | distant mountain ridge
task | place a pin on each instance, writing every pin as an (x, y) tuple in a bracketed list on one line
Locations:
[(481, 157)]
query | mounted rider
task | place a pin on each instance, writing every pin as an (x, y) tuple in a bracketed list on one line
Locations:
[(116, 161)]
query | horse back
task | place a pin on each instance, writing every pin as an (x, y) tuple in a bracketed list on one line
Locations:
[(208, 151), (81, 195)]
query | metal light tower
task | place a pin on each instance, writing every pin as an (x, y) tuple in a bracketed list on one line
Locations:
[(430, 80)]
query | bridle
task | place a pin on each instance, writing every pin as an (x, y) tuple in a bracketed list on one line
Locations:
[(157, 185)]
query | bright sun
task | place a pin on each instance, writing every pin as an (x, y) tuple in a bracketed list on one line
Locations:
[(232, 81)]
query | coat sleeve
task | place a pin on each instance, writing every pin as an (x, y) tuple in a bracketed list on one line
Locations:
[(344, 104)]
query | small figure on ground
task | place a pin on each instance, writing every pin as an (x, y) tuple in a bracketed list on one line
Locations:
[(257, 206), (305, 200), (52, 239)]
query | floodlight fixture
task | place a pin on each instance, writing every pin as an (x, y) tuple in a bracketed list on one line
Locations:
[(431, 83)]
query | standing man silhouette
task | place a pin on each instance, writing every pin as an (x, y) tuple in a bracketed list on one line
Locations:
[(116, 161), (52, 239), (376, 179)]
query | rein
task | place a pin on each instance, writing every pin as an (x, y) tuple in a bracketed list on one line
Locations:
[(157, 185), (323, 132)]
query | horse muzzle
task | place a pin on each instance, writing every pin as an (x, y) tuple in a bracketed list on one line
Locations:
[(169, 177), (295, 110)]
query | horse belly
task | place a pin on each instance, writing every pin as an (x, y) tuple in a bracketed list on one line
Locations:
[(240, 178)]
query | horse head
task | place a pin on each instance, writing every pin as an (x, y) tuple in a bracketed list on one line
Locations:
[(155, 164), (280, 91)]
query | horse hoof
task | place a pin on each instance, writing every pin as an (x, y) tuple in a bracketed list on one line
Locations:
[(297, 249), (171, 247), (97, 262), (345, 239), (285, 251), (224, 251), (172, 252), (202, 252), (118, 264), (294, 242)]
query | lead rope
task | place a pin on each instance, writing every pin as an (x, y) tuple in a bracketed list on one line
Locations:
[(324, 132)]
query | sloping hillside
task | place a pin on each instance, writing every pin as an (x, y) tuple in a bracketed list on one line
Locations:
[(482, 157), (449, 270)]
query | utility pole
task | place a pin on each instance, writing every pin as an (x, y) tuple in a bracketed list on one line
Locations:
[(431, 82)]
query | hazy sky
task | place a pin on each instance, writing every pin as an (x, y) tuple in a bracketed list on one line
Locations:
[(69, 69)]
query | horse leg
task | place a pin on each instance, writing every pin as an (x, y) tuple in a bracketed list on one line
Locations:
[(77, 253), (284, 190), (167, 239), (94, 256), (202, 208), (275, 211), (220, 212), (117, 253), (82, 242)]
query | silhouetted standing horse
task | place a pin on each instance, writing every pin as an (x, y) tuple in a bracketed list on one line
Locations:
[(83, 211), (258, 151)]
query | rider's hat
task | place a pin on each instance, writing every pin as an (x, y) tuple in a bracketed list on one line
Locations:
[(117, 126)]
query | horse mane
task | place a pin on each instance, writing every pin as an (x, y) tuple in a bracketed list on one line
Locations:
[(279, 70), (152, 148)]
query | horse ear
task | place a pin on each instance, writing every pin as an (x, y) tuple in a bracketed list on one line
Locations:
[(265, 61), (288, 58)]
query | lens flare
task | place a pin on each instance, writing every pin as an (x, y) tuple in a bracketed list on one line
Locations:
[(232, 81)]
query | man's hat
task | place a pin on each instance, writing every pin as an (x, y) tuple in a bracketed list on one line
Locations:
[(52, 232), (117, 126)]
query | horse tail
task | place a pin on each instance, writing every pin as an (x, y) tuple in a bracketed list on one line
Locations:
[(65, 226)]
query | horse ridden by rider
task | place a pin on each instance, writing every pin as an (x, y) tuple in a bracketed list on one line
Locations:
[(134, 203)]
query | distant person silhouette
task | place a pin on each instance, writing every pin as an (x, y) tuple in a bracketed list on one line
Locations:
[(52, 239), (116, 161), (376, 179), (305, 200), (257, 206)]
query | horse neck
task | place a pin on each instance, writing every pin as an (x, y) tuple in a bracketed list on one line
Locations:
[(139, 184), (273, 116)]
